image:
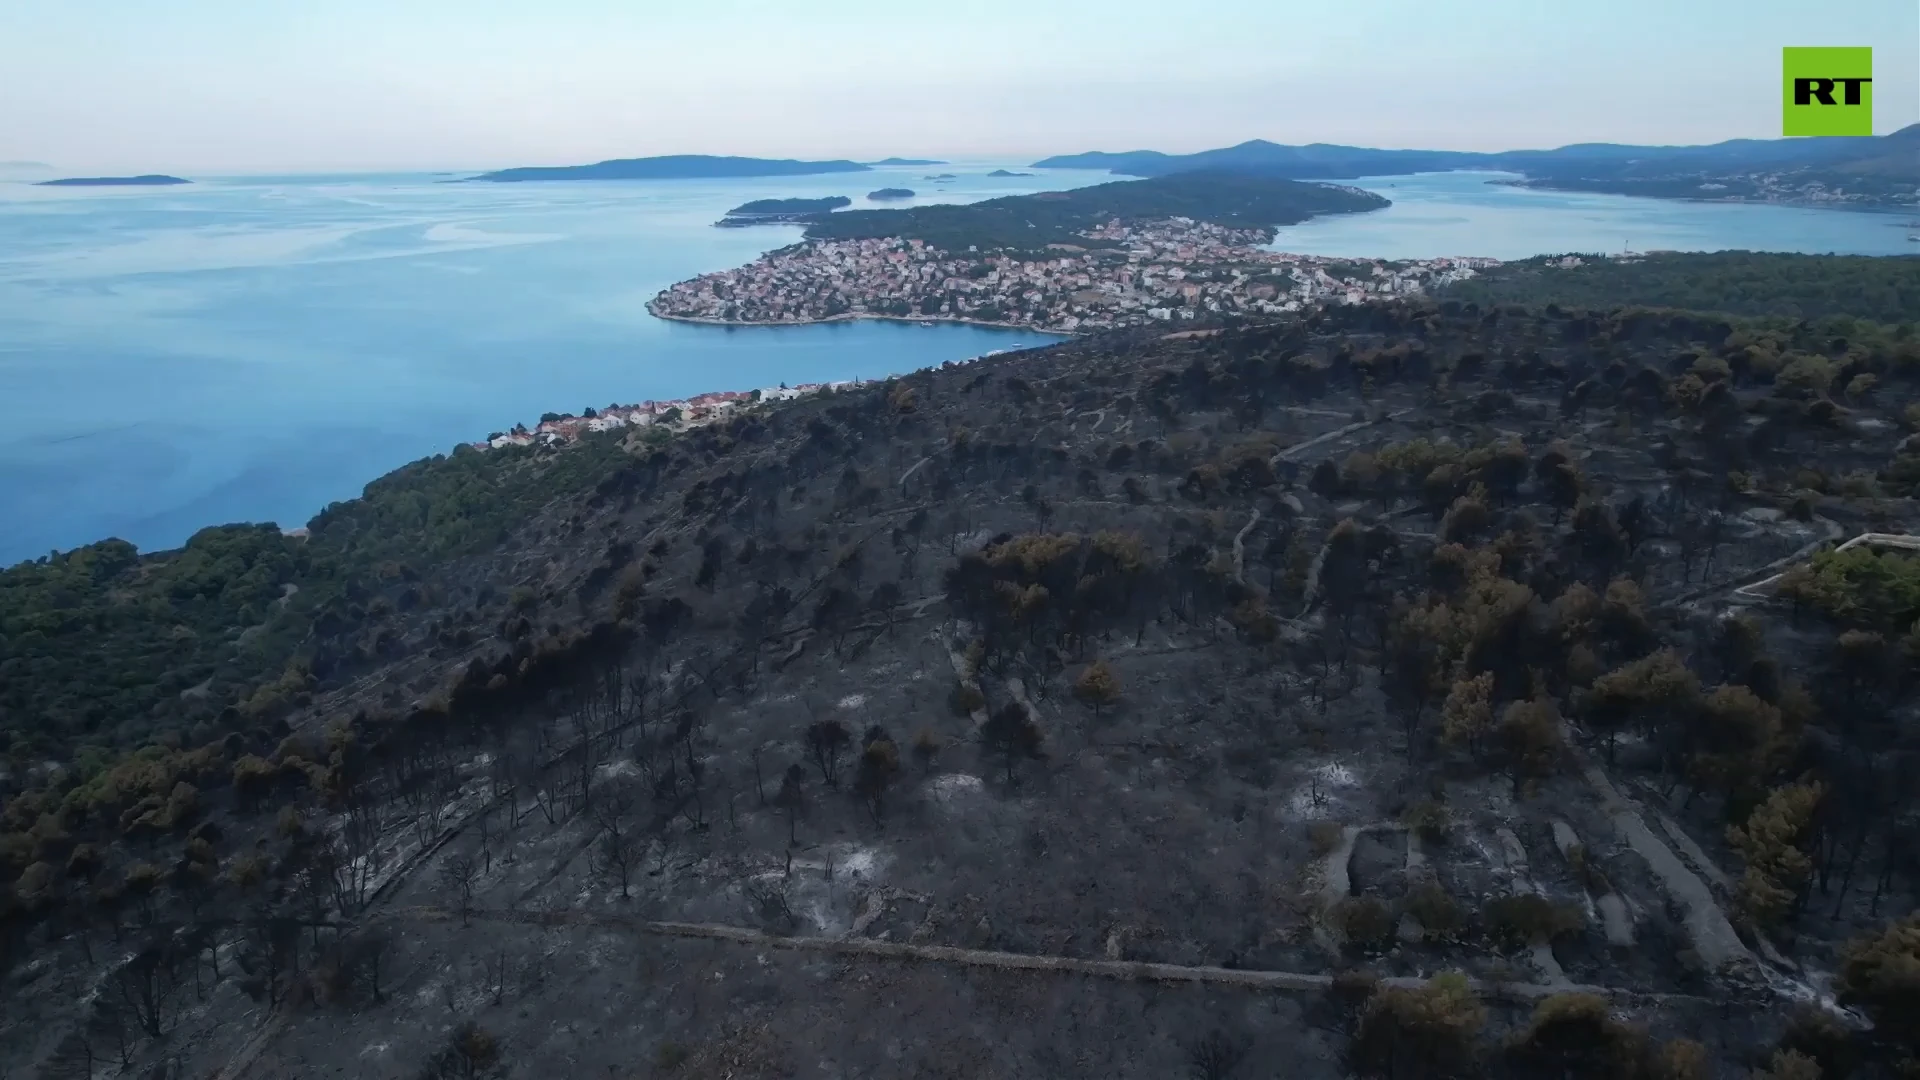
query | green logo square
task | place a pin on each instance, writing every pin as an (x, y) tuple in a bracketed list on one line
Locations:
[(1826, 91)]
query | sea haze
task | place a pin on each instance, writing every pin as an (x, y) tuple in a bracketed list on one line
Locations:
[(252, 349), (1471, 213)]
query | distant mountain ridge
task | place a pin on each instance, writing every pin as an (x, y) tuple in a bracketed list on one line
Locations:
[(672, 167), (147, 180), (1883, 166)]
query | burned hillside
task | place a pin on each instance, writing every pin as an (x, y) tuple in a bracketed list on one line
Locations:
[(1366, 694)]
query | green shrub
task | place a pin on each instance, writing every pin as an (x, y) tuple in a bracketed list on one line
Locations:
[(1365, 921)]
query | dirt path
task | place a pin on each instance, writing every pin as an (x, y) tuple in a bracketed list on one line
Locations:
[(1290, 452), (1121, 970), (1240, 547), (1720, 949), (1759, 575), (914, 469), (1521, 884), (1897, 541)]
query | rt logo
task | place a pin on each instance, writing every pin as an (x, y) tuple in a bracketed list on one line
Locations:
[(1826, 91)]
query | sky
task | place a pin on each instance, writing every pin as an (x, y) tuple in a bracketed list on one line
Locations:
[(315, 85)]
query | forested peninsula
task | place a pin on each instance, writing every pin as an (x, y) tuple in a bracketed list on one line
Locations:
[(1751, 283), (671, 167), (1030, 222), (768, 211)]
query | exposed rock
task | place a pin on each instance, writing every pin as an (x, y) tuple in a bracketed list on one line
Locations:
[(1616, 919), (1410, 932)]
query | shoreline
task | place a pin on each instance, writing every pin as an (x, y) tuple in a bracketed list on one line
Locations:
[(1889, 208), (854, 316)]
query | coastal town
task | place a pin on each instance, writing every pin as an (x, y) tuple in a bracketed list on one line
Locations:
[(1128, 274), (664, 416), (1318, 280)]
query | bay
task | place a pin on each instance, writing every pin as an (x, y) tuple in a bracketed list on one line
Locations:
[(253, 348), (1471, 213)]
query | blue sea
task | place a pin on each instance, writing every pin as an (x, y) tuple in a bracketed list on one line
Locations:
[(1471, 213), (253, 348)]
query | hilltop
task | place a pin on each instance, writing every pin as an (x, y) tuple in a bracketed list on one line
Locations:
[(1867, 170), (1751, 283), (1151, 704), (1029, 222), (672, 167)]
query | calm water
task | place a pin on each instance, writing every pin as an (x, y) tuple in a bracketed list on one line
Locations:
[(254, 349), (1462, 214)]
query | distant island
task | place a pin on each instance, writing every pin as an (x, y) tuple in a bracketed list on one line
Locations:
[(890, 193), (772, 211), (906, 161), (939, 176), (1866, 171), (1003, 172), (149, 180), (671, 167)]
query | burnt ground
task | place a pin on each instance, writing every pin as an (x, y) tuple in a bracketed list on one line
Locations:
[(1195, 821)]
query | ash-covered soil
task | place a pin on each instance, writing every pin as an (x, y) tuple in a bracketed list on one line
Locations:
[(823, 672)]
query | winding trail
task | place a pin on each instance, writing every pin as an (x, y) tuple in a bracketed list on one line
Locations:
[(1240, 547), (1878, 541), (914, 469), (1288, 453), (1760, 575)]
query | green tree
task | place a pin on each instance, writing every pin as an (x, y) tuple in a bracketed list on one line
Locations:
[(1431, 1031), (1466, 717), (1574, 1036), (1098, 686), (1880, 975), (1531, 738), (1773, 841)]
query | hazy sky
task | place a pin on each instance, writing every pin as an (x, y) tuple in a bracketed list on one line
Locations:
[(211, 85)]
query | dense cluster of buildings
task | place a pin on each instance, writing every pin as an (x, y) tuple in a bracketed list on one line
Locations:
[(1131, 273), (675, 415), (1788, 187)]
